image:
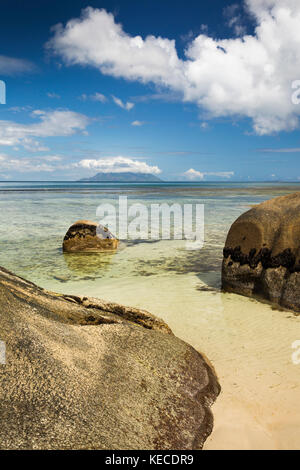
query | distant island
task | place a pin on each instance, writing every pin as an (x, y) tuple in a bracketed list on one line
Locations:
[(127, 177)]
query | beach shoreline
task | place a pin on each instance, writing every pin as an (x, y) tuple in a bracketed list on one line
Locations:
[(249, 345)]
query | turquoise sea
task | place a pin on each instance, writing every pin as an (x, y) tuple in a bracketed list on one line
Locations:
[(248, 342)]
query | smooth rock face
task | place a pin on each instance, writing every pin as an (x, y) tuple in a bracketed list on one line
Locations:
[(87, 236), (262, 252), (82, 373)]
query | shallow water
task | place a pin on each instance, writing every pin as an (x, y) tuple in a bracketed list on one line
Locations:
[(35, 217), (248, 342)]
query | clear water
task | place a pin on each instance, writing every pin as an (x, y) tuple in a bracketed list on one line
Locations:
[(248, 342), (35, 217)]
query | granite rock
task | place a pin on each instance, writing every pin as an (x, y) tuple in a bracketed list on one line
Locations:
[(82, 373), (262, 253), (88, 236)]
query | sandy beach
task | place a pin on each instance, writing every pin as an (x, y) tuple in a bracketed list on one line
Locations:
[(249, 345)]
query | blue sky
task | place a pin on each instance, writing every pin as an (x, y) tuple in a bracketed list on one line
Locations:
[(185, 90)]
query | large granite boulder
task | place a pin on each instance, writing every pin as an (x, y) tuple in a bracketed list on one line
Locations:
[(262, 252), (81, 373), (88, 236)]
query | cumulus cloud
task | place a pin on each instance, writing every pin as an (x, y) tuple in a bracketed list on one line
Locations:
[(117, 164), (192, 174), (49, 124), (248, 76), (95, 39), (13, 66), (128, 106)]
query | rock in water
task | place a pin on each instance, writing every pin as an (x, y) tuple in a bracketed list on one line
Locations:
[(87, 236), (262, 252), (82, 373)]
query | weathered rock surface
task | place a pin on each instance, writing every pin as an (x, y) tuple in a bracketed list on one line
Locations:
[(87, 236), (82, 373), (262, 252)]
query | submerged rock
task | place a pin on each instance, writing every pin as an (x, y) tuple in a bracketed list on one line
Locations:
[(81, 373), (262, 252), (87, 236)]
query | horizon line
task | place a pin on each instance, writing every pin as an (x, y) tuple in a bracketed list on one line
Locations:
[(149, 182)]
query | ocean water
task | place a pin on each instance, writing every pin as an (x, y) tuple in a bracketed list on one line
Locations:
[(35, 217), (248, 343)]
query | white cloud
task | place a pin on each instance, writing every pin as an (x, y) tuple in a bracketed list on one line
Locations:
[(24, 165), (19, 109), (13, 66), (137, 123), (50, 124), (118, 164), (51, 158), (234, 19), (99, 97), (280, 150), (194, 174), (32, 145), (95, 39), (95, 97), (168, 96), (199, 175), (36, 164), (128, 106), (248, 76), (53, 95)]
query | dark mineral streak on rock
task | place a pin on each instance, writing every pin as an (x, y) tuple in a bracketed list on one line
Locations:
[(82, 373), (86, 236), (262, 253), (80, 230), (286, 259)]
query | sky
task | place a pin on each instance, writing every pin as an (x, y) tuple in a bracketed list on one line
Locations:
[(185, 90)]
